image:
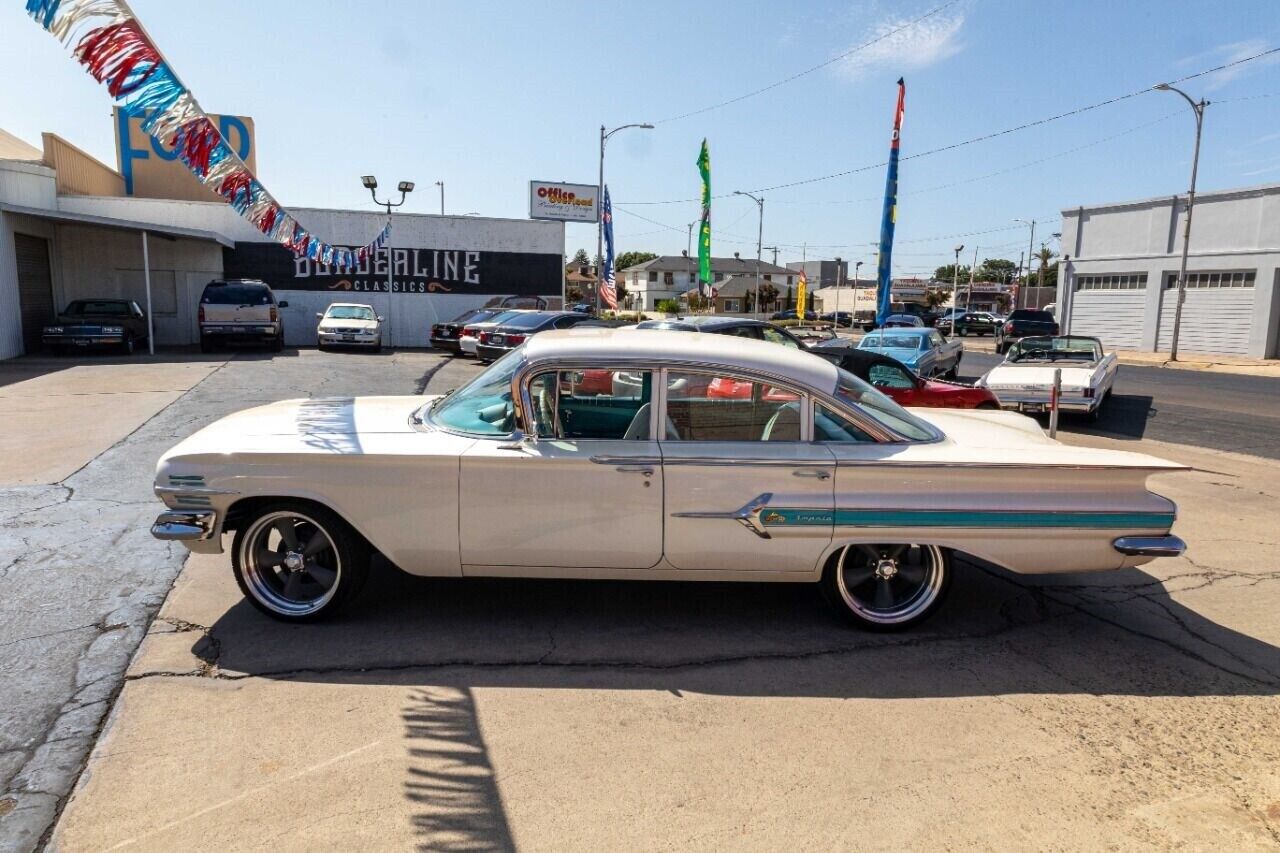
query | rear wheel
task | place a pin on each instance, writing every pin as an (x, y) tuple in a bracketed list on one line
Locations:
[(277, 343), (297, 561), (127, 345), (887, 587), (206, 344)]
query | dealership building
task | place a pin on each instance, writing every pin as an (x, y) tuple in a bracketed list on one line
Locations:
[(72, 228), (1119, 275)]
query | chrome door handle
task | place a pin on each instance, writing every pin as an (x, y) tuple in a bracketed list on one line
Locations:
[(820, 473), (643, 470)]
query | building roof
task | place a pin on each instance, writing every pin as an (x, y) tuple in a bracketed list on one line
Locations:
[(13, 148), (728, 266)]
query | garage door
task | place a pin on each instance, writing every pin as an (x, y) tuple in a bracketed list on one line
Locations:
[(1215, 317), (35, 288), (1112, 316)]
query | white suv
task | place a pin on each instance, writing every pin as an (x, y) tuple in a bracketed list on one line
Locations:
[(240, 310)]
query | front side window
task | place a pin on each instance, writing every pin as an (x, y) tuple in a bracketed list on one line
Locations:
[(483, 406), (592, 404), (879, 408), (710, 407), (887, 375)]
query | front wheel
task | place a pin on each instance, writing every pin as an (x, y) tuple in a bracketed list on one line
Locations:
[(297, 561), (887, 587)]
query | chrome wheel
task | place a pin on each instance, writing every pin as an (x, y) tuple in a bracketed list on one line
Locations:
[(890, 584), (290, 563)]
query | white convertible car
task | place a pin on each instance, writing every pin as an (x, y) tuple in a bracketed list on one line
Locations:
[(808, 475), (1024, 380)]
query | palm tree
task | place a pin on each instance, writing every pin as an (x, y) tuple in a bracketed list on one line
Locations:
[(768, 294), (1045, 256)]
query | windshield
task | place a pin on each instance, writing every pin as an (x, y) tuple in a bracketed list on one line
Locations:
[(100, 308), (473, 316), (527, 321), (236, 294), (483, 406), (880, 408), (349, 312), (1028, 350), (891, 341)]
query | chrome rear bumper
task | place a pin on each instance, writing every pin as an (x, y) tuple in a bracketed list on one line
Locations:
[(1150, 546), (184, 524)]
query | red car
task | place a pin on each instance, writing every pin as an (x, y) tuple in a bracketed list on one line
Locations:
[(894, 379)]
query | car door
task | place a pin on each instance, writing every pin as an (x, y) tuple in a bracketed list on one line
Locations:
[(732, 465), (587, 493), (895, 381)]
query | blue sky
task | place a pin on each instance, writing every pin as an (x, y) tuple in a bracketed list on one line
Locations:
[(486, 95)]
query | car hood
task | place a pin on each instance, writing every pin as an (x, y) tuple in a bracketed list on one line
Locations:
[(336, 323), (906, 356), (319, 425), (1016, 376)]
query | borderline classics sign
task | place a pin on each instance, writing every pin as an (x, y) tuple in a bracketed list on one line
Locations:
[(422, 270)]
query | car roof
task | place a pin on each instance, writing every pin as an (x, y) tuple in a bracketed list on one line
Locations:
[(350, 305), (694, 349)]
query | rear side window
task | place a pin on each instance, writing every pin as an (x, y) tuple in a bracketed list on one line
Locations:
[(1037, 316), (236, 294)]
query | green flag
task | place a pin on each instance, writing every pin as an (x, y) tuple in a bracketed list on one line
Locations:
[(704, 231)]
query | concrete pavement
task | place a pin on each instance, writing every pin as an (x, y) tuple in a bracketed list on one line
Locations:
[(80, 574), (1127, 710)]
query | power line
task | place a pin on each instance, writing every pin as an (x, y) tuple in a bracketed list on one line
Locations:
[(988, 136), (817, 67)]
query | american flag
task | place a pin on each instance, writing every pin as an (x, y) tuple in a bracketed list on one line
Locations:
[(609, 288)]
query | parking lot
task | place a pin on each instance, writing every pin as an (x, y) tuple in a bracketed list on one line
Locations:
[(1132, 710)]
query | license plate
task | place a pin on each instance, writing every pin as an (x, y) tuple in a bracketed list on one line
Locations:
[(348, 337), (498, 339), (1033, 407), (81, 342)]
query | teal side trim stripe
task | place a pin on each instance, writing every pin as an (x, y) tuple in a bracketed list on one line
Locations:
[(963, 518)]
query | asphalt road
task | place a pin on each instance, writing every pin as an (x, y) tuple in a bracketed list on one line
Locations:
[(1222, 411)]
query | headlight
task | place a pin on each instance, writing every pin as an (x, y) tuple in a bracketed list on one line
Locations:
[(53, 330), (112, 330)]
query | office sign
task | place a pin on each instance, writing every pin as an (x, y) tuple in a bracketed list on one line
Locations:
[(151, 169), (563, 202), (417, 270)]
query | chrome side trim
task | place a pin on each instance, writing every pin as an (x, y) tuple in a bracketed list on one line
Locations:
[(193, 490), (611, 459), (726, 461), (748, 515), (856, 463), (1150, 546), (184, 525)]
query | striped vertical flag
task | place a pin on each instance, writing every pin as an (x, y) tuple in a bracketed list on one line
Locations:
[(609, 284)]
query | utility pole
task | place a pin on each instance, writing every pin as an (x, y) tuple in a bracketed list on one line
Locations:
[(1198, 109), (1031, 244), (759, 242), (775, 254), (836, 312)]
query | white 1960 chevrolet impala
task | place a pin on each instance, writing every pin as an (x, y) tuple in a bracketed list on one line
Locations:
[(622, 453)]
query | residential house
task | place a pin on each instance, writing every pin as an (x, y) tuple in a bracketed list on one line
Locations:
[(670, 276)]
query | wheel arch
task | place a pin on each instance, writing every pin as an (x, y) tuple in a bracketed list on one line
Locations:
[(245, 507)]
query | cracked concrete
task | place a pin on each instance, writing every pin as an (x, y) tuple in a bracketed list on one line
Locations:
[(80, 575), (1125, 710)]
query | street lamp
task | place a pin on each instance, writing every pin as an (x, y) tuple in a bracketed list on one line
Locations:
[(604, 137), (440, 184), (405, 187), (1026, 282), (955, 278), (1198, 109), (760, 247)]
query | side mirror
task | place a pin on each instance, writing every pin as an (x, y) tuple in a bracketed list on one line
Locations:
[(283, 304), (379, 318), (319, 316)]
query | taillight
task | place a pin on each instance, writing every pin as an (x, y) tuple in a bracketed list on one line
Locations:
[(1008, 328), (200, 315), (484, 337), (469, 331), (515, 339), (273, 313)]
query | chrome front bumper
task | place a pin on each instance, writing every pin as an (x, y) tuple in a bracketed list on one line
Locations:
[(184, 524), (1150, 546)]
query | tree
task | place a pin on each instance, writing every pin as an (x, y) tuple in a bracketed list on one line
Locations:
[(996, 269), (1044, 256), (630, 259), (1050, 277), (668, 306), (934, 297), (768, 293), (948, 273), (622, 291), (572, 293), (581, 259), (698, 303), (1002, 303)]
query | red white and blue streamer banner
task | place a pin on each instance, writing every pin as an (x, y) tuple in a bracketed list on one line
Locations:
[(110, 42)]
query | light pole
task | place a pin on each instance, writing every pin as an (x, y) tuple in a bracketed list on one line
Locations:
[(405, 187), (1198, 109), (857, 285), (760, 247), (955, 278), (440, 184), (1026, 282), (836, 313), (604, 137)]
